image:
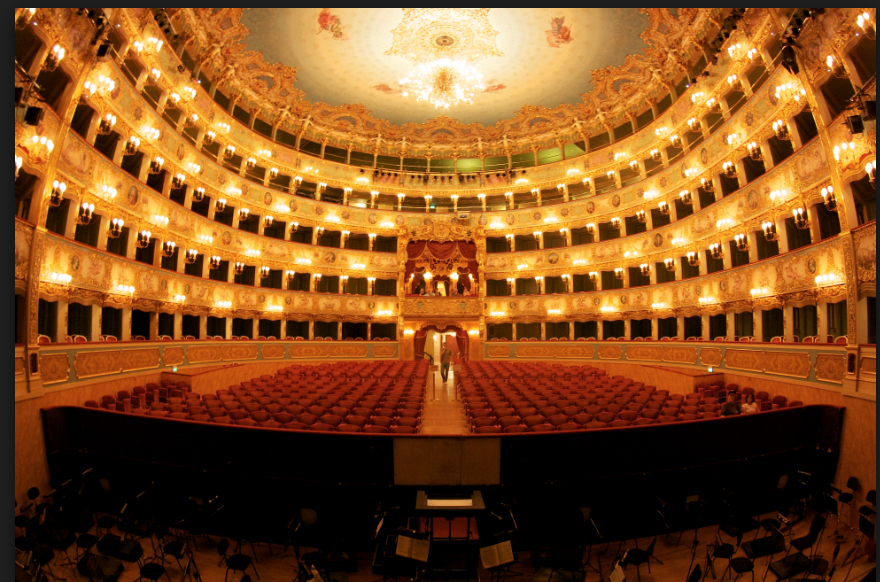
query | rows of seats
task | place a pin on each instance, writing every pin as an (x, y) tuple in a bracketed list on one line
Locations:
[(375, 397), (539, 397)]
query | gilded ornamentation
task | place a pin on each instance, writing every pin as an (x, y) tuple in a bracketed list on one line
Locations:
[(787, 363), (385, 351), (328, 350), (643, 353), (139, 359), (610, 352), (428, 34), (19, 366), (97, 363), (441, 306), (498, 351), (710, 356), (54, 368), (273, 351), (744, 359), (865, 242), (172, 356), (831, 368), (868, 366)]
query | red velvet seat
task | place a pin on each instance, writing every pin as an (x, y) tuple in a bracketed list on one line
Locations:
[(516, 428), (594, 425)]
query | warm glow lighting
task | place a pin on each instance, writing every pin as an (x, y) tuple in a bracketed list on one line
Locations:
[(409, 332), (658, 306), (607, 309), (554, 312), (827, 279), (497, 313), (62, 278), (443, 83)]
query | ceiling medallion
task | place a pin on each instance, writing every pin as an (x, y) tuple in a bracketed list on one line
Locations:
[(444, 44)]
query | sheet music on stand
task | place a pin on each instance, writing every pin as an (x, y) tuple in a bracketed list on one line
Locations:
[(500, 554), (412, 548)]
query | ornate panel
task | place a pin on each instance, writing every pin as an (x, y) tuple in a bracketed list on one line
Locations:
[(536, 351), (54, 368), (97, 363), (610, 352), (498, 351), (140, 359), (384, 350), (831, 368), (744, 359), (441, 307), (241, 352), (787, 363), (197, 354), (867, 366), (329, 350), (273, 351), (173, 356), (19, 366), (574, 351), (682, 355), (866, 253), (709, 356), (644, 353)]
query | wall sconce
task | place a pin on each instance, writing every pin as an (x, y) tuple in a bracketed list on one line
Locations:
[(801, 218), (143, 239), (190, 257), (290, 275), (267, 222), (663, 206), (662, 131), (707, 185), (729, 169), (198, 194), (321, 188), (829, 198), (658, 306), (759, 292), (131, 146), (778, 195), (607, 309), (790, 91), (400, 197), (427, 276), (18, 163), (509, 238), (177, 181), (224, 304), (61, 278), (319, 231), (567, 280), (115, 228), (755, 152), (706, 300), (428, 199), (686, 198), (156, 165), (871, 170), (742, 242), (153, 77), (220, 205), (656, 155), (214, 262), (57, 194), (593, 275), (497, 313), (781, 130), (645, 269), (669, 263), (473, 332), (693, 259), (678, 241), (345, 235), (190, 120), (863, 21), (716, 250), (56, 55), (615, 223), (229, 151), (454, 198), (105, 126), (641, 216), (224, 128), (253, 252), (537, 235), (208, 139), (522, 266), (264, 272), (408, 331), (85, 213), (676, 141), (610, 174), (294, 226), (125, 289), (251, 163), (618, 273), (693, 124), (591, 228), (168, 248), (243, 214), (25, 18), (238, 269), (769, 229), (827, 279), (734, 82)]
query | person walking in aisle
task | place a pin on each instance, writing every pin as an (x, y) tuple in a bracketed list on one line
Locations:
[(445, 360)]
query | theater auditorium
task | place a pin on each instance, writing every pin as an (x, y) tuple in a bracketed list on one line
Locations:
[(511, 294)]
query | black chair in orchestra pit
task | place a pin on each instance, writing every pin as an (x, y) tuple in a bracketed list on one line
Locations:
[(235, 562), (725, 551), (741, 565), (152, 570), (806, 542), (637, 557)]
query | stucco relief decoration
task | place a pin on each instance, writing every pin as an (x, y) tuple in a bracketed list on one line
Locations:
[(172, 356), (97, 363), (54, 368), (830, 368), (866, 253), (139, 359), (610, 352), (710, 356), (384, 351), (271, 352)]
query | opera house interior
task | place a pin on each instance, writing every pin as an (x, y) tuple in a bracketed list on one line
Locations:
[(445, 293)]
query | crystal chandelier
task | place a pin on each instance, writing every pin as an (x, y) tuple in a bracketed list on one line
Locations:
[(443, 83)]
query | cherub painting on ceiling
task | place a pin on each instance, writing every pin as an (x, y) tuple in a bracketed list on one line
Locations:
[(493, 86), (384, 88), (332, 24), (558, 34)]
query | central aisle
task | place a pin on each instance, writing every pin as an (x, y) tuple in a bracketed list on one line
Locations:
[(444, 415)]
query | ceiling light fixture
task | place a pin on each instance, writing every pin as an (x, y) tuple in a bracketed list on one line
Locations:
[(443, 83)]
